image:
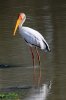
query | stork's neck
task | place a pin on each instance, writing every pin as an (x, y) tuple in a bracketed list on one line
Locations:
[(23, 21)]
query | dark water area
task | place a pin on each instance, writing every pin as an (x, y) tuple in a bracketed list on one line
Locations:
[(49, 18)]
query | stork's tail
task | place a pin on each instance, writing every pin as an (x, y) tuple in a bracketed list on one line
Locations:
[(47, 47)]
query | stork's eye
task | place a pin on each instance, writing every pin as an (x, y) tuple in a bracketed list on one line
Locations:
[(20, 17)]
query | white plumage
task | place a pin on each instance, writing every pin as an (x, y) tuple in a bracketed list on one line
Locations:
[(32, 37)]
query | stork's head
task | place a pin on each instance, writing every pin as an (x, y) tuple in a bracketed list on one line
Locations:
[(21, 19)]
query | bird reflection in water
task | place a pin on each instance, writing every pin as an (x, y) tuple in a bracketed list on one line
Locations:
[(39, 93)]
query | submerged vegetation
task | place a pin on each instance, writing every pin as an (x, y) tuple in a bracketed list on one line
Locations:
[(9, 96), (18, 94), (14, 93)]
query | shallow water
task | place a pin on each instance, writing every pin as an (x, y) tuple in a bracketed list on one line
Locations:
[(49, 18)]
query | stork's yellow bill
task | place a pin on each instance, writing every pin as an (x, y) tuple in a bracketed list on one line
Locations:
[(17, 24)]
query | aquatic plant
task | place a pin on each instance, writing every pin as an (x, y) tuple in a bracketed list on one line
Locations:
[(9, 96)]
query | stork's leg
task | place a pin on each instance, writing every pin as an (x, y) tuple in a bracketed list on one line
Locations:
[(38, 56), (34, 71)]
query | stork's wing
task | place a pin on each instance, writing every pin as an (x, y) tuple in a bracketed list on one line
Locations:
[(33, 37), (33, 32), (30, 38)]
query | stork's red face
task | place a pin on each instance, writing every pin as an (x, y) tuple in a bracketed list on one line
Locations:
[(19, 21)]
